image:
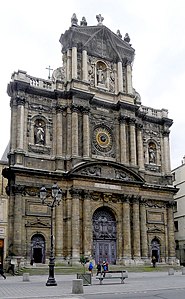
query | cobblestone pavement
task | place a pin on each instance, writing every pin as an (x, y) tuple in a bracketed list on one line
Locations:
[(15, 288)]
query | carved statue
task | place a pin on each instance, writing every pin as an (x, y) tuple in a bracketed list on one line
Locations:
[(74, 20), (152, 154), (100, 75), (39, 134)]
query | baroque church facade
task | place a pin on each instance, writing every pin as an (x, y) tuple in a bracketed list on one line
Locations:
[(87, 130)]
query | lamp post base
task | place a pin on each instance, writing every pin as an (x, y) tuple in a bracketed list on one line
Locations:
[(51, 282), (51, 279)]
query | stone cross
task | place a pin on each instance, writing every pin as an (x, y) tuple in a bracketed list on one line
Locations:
[(49, 69)]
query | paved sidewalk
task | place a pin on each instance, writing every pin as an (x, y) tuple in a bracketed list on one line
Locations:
[(15, 288)]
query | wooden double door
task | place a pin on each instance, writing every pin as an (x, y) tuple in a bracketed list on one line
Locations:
[(104, 236)]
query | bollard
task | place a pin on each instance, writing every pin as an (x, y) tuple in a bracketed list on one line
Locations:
[(171, 271), (26, 277), (77, 287), (183, 271)]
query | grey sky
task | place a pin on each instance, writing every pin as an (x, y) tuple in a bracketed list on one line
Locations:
[(30, 32)]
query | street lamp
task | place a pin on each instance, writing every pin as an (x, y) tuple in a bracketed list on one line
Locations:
[(56, 195)]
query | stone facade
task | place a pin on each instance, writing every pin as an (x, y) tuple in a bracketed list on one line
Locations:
[(179, 182), (3, 214), (87, 130)]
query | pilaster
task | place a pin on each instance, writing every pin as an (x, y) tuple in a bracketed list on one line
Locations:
[(140, 147), (171, 236), (144, 245), (87, 224), (74, 62), (129, 79), (120, 77), (84, 66), (86, 141), (136, 229), (75, 221), (132, 141), (123, 149), (126, 228), (75, 131)]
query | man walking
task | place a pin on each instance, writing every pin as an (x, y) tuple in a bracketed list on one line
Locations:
[(2, 271)]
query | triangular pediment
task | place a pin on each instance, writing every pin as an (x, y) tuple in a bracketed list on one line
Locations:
[(107, 171), (99, 41)]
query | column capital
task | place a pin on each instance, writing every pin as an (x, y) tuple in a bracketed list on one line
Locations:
[(75, 192), (75, 108), (122, 119), (139, 126), (60, 109), (132, 121), (85, 110), (20, 101), (18, 189)]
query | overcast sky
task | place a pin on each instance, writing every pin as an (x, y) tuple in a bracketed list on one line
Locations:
[(30, 32)]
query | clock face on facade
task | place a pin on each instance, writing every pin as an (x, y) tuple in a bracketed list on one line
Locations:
[(102, 139)]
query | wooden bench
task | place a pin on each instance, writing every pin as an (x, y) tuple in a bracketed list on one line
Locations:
[(122, 274)]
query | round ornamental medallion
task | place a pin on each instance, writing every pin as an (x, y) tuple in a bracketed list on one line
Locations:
[(102, 139)]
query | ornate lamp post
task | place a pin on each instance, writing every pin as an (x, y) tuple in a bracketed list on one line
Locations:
[(56, 195)]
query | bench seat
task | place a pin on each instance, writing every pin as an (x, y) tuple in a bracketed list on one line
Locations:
[(112, 275)]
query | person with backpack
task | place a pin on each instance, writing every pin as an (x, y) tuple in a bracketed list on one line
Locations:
[(91, 268)]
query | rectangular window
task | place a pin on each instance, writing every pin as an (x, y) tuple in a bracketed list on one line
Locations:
[(176, 226)]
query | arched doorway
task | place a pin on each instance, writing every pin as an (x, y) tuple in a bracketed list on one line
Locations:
[(104, 236), (155, 249), (38, 248)]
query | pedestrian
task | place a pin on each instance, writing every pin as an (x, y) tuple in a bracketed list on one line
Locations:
[(2, 271), (154, 261), (11, 268), (91, 268), (98, 268), (104, 266)]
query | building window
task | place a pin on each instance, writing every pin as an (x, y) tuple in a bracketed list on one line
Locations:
[(176, 226)]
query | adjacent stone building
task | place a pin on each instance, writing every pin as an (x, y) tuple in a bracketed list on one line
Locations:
[(179, 215), (87, 130), (3, 214)]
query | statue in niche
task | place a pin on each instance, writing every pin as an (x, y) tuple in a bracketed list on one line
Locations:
[(39, 134), (101, 74), (152, 153)]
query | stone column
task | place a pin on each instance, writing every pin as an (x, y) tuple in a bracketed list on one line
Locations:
[(17, 229), (123, 143), (74, 131), (59, 231), (171, 235), (126, 228), (74, 62), (75, 221), (132, 142), (68, 225), (136, 229), (129, 79), (86, 136), (120, 77), (144, 239), (13, 134), (140, 147), (68, 66), (69, 137), (20, 123), (87, 224), (166, 152), (59, 132), (84, 65)]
